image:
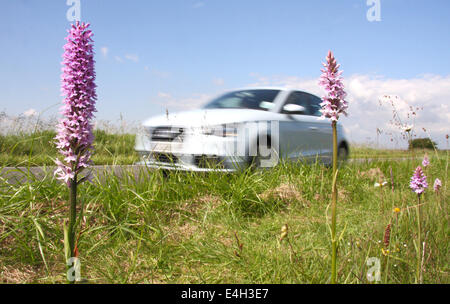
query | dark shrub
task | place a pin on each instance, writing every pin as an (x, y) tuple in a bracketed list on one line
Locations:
[(422, 143)]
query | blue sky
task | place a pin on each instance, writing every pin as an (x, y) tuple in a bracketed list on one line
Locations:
[(177, 54)]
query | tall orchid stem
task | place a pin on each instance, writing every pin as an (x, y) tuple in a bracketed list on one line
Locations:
[(418, 278), (72, 215), (333, 207)]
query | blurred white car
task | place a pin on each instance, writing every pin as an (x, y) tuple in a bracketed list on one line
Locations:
[(239, 128)]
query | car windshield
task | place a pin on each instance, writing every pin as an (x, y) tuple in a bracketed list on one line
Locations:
[(246, 99)]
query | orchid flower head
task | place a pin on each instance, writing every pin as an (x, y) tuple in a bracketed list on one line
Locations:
[(333, 103), (418, 181), (74, 137)]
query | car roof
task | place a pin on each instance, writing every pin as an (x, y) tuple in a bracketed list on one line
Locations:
[(287, 89)]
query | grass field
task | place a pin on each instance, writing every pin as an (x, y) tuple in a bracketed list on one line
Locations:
[(37, 149), (222, 228)]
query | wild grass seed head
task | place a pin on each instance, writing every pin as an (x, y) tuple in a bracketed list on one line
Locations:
[(387, 235), (437, 185)]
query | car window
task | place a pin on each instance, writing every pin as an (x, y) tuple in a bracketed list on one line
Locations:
[(314, 103), (245, 99), (301, 99)]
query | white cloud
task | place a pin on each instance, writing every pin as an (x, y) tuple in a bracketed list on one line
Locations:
[(429, 93), (199, 4), (30, 113), (157, 73), (309, 85), (192, 102), (104, 50), (132, 57), (164, 95), (160, 74), (218, 81)]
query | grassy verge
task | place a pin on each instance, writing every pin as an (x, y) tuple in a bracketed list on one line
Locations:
[(361, 151), (225, 228), (38, 149)]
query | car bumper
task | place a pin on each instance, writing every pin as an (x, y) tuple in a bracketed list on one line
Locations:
[(180, 167), (199, 153)]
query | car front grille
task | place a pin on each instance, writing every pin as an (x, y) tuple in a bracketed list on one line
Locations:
[(167, 134), (208, 161), (165, 158)]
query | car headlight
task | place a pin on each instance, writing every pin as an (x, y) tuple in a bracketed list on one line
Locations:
[(225, 130)]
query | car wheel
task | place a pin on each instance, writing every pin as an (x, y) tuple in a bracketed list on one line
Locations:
[(342, 153), (165, 173)]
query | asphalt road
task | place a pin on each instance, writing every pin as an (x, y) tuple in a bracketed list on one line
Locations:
[(21, 174)]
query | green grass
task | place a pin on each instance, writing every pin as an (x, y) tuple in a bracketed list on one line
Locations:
[(141, 227), (362, 151), (37, 149)]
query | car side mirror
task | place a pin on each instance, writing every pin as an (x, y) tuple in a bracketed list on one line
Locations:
[(291, 108)]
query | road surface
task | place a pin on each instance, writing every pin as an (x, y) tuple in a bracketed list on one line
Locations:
[(22, 174)]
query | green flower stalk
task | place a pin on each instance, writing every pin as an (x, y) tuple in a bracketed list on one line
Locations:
[(333, 105), (418, 184)]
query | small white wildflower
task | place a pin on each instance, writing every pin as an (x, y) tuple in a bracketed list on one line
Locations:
[(407, 128), (377, 185)]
